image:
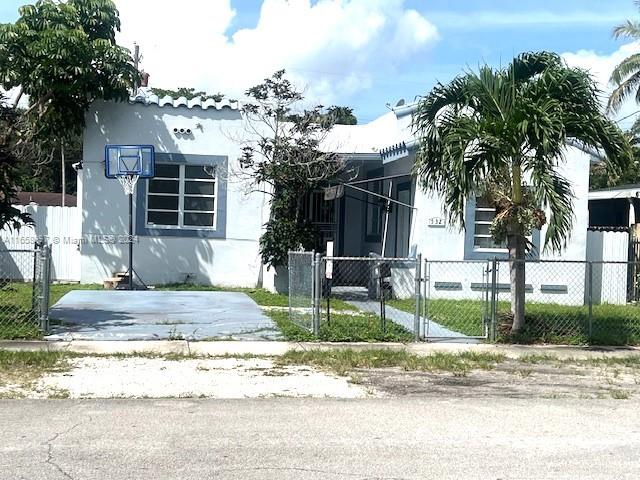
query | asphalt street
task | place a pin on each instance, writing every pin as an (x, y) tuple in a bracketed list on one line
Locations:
[(280, 438)]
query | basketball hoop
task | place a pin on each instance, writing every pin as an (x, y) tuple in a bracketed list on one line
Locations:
[(128, 183), (129, 163)]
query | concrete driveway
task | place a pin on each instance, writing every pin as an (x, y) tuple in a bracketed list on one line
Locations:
[(158, 315)]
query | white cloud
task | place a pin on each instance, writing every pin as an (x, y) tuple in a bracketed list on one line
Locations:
[(601, 67), (332, 47)]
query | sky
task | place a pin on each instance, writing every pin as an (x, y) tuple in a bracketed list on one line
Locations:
[(365, 54)]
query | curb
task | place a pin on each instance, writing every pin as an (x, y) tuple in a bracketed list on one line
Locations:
[(264, 348)]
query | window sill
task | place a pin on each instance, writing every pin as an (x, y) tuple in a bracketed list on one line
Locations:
[(180, 228), (181, 232)]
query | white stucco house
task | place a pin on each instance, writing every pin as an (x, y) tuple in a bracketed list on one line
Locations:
[(190, 226)]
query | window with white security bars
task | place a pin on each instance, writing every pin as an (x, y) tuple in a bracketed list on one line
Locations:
[(182, 196)]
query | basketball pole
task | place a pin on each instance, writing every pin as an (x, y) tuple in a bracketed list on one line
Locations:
[(131, 241)]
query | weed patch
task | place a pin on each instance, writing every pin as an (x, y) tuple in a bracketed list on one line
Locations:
[(344, 360)]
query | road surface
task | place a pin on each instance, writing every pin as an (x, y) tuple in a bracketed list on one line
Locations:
[(281, 438)]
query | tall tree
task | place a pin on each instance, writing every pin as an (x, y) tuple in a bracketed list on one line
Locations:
[(9, 215), (62, 56), (626, 76), (503, 133), (285, 161), (342, 115)]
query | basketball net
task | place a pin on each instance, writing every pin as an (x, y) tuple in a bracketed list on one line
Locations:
[(128, 183)]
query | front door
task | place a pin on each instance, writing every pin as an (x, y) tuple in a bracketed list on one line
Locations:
[(403, 220)]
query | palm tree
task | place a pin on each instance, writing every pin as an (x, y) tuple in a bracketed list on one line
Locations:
[(626, 76), (502, 134)]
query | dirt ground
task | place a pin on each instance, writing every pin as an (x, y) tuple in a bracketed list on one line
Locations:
[(256, 377), (140, 377), (509, 379)]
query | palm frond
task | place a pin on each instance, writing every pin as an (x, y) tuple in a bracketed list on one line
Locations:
[(629, 29), (622, 93), (529, 64), (627, 67), (554, 192)]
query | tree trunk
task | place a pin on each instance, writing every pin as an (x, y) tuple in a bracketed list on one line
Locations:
[(517, 271)]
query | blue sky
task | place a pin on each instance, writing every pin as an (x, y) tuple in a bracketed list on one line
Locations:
[(367, 74)]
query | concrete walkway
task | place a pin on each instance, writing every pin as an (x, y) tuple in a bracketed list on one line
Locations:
[(260, 348), (158, 315)]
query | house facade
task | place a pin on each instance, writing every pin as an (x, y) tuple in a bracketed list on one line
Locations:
[(209, 236), (199, 220)]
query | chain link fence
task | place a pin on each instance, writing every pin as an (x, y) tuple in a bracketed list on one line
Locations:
[(614, 306), (569, 302), (24, 292), (556, 301), (402, 299)]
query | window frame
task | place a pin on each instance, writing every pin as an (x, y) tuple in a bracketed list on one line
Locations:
[(182, 181)]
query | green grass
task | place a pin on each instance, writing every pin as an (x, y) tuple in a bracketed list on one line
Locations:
[(545, 322), (365, 327), (342, 328), (553, 323), (22, 369), (344, 360), (290, 331), (463, 316)]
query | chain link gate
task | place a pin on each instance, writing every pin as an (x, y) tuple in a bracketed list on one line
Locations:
[(302, 280), (370, 297), (24, 292), (359, 297), (458, 300)]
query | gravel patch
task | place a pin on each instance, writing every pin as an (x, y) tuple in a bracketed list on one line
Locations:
[(135, 377)]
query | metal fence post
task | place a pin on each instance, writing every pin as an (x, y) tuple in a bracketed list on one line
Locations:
[(317, 293), (290, 268), (494, 300), (45, 274), (36, 258), (590, 297), (416, 319), (313, 291)]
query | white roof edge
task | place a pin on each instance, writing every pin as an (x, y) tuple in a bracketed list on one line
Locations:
[(632, 191), (145, 97), (405, 110)]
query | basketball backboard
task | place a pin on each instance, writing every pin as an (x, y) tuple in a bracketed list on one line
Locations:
[(126, 160)]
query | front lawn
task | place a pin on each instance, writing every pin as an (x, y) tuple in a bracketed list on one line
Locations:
[(545, 322)]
